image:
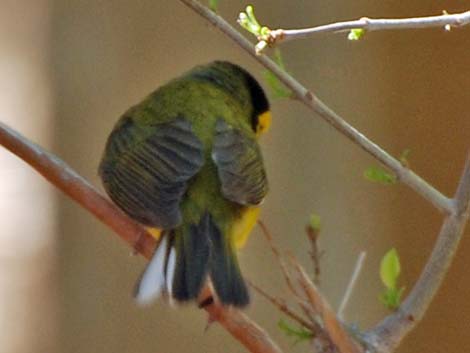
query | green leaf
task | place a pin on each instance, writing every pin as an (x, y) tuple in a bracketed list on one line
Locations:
[(315, 222), (277, 87), (379, 175), (404, 157), (300, 334), (248, 21), (251, 15), (356, 34), (391, 297), (213, 5), (278, 59), (389, 272), (390, 269)]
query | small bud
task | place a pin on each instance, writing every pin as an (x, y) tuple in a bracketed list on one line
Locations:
[(260, 46), (315, 222), (356, 34)]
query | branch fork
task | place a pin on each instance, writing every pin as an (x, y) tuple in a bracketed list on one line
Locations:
[(386, 335), (357, 28)]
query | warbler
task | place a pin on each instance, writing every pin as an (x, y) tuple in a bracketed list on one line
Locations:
[(185, 163)]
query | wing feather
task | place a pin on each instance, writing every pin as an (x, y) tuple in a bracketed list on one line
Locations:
[(239, 164), (148, 177)]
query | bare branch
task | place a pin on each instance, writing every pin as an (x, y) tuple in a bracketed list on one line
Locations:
[(253, 337), (352, 283), (387, 334), (284, 307), (315, 254), (445, 21), (392, 329), (280, 259), (241, 327), (403, 174), (308, 311), (76, 187), (338, 335)]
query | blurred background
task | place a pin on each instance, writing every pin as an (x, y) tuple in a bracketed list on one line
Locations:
[(68, 69)]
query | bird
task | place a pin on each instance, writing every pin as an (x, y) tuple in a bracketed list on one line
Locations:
[(186, 164)]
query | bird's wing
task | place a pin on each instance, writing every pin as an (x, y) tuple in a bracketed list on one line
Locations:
[(239, 164), (148, 177)]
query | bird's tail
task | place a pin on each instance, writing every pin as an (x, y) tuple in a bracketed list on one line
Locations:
[(190, 256)]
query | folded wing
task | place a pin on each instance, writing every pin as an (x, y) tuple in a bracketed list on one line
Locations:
[(239, 164), (147, 177)]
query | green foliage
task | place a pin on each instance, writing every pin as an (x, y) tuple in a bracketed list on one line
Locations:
[(356, 34), (404, 157), (315, 222), (277, 87), (299, 334), (391, 298), (389, 272), (379, 175), (248, 21), (213, 5), (390, 268)]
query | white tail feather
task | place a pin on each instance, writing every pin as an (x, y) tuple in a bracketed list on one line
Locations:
[(153, 283), (170, 274)]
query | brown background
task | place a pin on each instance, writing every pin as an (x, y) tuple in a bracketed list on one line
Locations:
[(408, 89)]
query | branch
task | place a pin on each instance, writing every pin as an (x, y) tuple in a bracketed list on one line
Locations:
[(285, 272), (351, 284), (338, 335), (253, 337), (403, 174), (284, 307), (77, 188), (387, 334), (329, 334), (314, 252), (446, 21)]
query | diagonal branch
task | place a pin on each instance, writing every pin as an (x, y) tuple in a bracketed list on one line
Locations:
[(315, 254), (351, 284), (306, 308), (284, 307), (253, 337), (403, 174), (387, 334), (76, 187), (338, 335)]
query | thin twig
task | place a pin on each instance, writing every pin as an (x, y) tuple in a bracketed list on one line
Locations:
[(315, 254), (351, 284), (308, 311), (446, 21), (388, 333), (338, 335), (403, 174), (253, 337), (280, 259), (284, 307)]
